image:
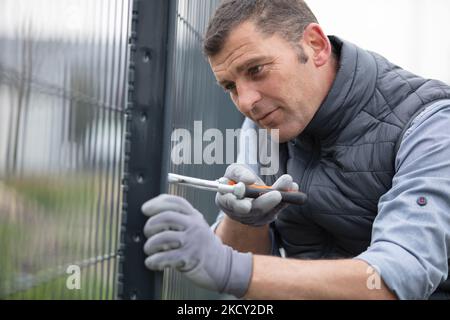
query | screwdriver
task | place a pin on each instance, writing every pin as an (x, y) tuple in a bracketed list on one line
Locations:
[(240, 190)]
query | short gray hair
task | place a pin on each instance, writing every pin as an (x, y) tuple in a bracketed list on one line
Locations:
[(287, 18)]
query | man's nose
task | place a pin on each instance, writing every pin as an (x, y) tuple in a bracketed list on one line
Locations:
[(248, 96)]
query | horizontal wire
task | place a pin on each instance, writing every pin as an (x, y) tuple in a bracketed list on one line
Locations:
[(15, 78)]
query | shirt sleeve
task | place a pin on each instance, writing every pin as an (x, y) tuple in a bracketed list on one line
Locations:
[(411, 233)]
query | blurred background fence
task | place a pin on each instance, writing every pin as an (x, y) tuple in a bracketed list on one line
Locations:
[(90, 91), (63, 67)]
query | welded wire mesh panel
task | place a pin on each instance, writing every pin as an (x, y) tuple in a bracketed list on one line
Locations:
[(63, 73), (196, 103)]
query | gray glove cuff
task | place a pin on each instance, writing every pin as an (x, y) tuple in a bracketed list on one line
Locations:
[(241, 269)]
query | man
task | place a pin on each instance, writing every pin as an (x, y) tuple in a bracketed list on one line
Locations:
[(369, 143)]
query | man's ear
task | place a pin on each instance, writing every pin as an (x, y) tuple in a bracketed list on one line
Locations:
[(319, 44)]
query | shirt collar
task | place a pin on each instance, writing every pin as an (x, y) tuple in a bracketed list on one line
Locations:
[(351, 90)]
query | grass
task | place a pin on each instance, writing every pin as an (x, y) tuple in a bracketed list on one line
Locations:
[(56, 289), (51, 193), (52, 221)]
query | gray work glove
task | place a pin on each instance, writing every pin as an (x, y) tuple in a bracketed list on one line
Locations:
[(180, 238), (254, 212)]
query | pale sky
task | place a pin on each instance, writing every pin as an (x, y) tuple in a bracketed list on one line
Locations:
[(414, 34)]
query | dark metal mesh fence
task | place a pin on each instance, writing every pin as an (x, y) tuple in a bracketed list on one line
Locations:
[(63, 68), (194, 96)]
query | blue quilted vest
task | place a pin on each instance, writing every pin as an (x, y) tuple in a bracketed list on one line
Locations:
[(344, 159)]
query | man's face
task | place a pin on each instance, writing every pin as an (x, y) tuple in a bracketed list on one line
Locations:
[(267, 82)]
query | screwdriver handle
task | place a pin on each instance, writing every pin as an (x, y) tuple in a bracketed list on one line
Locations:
[(254, 191), (291, 197)]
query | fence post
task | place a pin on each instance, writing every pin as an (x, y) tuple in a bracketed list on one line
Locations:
[(143, 143)]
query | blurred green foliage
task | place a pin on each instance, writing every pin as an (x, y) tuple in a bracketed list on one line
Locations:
[(47, 222)]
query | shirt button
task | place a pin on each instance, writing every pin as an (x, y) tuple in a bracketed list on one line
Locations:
[(422, 201)]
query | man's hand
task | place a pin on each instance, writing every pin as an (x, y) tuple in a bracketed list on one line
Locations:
[(254, 212), (180, 238)]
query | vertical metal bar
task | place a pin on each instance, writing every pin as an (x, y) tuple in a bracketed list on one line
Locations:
[(121, 97), (80, 162), (173, 59), (65, 172), (111, 121), (104, 150), (143, 149), (88, 195), (96, 54)]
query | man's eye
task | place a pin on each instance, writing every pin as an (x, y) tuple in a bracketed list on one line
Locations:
[(255, 70), (230, 87)]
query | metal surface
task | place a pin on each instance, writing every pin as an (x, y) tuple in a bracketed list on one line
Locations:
[(172, 86), (207, 184), (192, 95), (143, 147), (62, 95)]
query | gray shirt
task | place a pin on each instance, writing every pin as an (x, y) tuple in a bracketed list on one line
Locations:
[(410, 244)]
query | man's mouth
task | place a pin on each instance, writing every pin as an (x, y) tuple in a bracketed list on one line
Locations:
[(266, 119)]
